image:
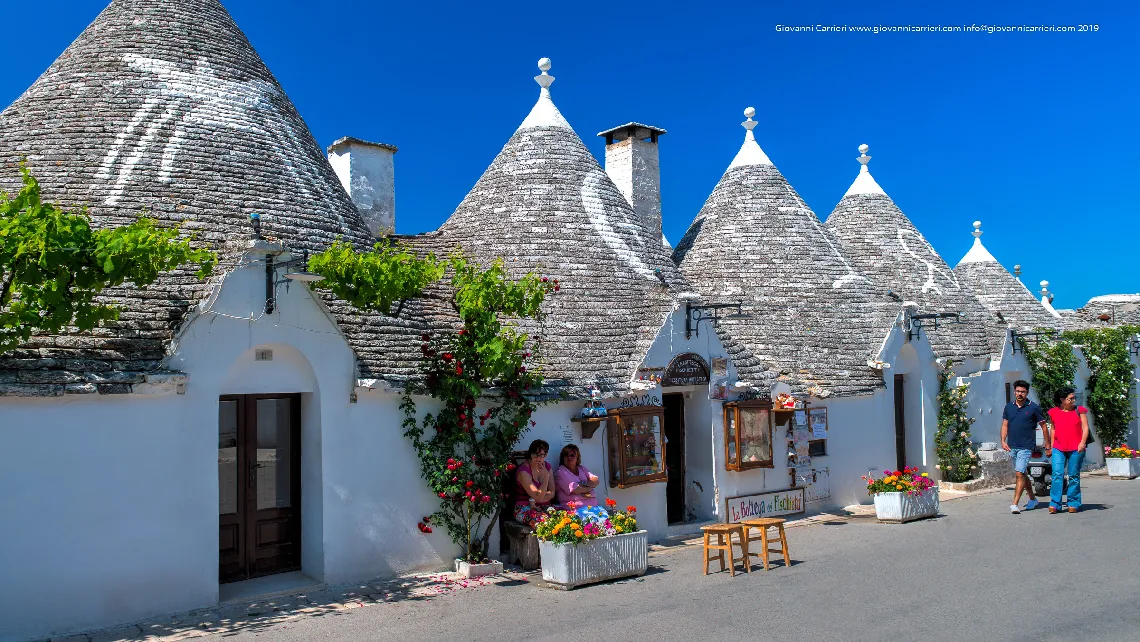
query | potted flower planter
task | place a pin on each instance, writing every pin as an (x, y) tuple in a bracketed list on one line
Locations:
[(901, 507), (468, 570), (1121, 468), (565, 566)]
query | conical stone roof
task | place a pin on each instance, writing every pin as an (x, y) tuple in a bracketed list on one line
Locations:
[(163, 106), (546, 205), (815, 320), (999, 290), (886, 246)]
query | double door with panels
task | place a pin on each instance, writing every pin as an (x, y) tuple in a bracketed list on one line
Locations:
[(259, 484)]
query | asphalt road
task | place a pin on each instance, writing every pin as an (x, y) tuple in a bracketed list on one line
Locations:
[(974, 573)]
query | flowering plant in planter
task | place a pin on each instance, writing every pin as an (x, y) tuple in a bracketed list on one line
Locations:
[(579, 524), (899, 481), (1120, 452)]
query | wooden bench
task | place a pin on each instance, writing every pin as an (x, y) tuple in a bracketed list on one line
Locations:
[(763, 524), (724, 534), (522, 545)]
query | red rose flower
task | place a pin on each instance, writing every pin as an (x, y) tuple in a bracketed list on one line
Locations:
[(447, 356), (458, 370), (423, 528), (632, 509), (486, 499), (442, 495), (469, 484)]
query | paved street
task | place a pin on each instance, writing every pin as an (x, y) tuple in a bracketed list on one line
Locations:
[(976, 572)]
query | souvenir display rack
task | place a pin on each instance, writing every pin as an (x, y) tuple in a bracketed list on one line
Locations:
[(637, 446), (748, 435)]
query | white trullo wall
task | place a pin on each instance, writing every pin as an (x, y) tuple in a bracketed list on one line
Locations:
[(119, 495)]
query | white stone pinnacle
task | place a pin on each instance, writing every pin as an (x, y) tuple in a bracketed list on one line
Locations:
[(978, 252), (864, 182), (544, 113), (750, 153)]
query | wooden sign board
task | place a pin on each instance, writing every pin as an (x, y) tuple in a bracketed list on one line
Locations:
[(771, 504), (686, 369)]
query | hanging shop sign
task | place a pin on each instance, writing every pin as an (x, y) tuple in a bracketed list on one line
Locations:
[(781, 502), (686, 369)]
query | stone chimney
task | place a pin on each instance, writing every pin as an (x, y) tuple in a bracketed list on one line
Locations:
[(632, 164), (366, 170)]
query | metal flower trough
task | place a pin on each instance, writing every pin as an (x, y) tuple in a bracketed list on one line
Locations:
[(1121, 468), (565, 566), (901, 507)]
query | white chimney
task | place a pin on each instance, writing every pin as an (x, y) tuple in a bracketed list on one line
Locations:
[(632, 164), (367, 172)]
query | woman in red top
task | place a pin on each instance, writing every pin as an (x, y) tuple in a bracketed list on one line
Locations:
[(1070, 434)]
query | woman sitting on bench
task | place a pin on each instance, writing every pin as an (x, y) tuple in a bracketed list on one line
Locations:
[(575, 482), (534, 485)]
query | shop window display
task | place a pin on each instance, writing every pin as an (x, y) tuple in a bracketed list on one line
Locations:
[(637, 447), (748, 435)]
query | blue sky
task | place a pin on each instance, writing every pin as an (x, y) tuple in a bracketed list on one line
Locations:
[(1035, 134)]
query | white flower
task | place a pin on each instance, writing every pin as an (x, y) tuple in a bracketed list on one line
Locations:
[(964, 434), (938, 466), (972, 467), (949, 468)]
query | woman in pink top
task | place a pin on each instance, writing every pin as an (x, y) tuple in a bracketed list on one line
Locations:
[(534, 485), (575, 482), (1070, 436)]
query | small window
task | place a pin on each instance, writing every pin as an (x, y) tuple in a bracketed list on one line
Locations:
[(748, 435), (637, 446)]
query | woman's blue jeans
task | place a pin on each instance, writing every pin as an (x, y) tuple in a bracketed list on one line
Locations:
[(1066, 463)]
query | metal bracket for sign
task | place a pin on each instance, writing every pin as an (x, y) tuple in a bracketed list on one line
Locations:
[(1017, 338), (694, 314), (918, 322)]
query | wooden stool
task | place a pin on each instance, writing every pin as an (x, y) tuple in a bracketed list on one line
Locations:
[(764, 523), (723, 534)]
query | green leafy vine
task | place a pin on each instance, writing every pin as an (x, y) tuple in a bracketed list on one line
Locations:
[(482, 374), (53, 264)]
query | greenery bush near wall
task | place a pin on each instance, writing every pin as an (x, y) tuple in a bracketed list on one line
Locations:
[(1054, 366), (1110, 389), (957, 459)]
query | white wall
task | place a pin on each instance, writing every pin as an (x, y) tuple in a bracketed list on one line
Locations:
[(101, 495)]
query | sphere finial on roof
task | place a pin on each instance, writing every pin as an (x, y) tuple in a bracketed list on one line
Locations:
[(1017, 270), (749, 112), (544, 80), (977, 230), (863, 157)]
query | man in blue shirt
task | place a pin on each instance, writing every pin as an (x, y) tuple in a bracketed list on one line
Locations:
[(1019, 424)]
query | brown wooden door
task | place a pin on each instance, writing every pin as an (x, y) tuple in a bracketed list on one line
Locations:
[(259, 485), (675, 456), (900, 424)]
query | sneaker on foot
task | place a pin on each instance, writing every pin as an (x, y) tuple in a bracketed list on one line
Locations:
[(1052, 511), (1032, 504), (1072, 509), (1014, 509)]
